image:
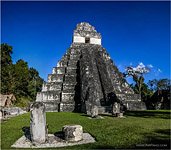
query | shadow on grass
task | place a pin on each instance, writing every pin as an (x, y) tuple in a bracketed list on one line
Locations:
[(26, 131), (159, 139), (149, 114)]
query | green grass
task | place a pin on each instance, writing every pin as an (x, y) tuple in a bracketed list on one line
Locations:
[(140, 127)]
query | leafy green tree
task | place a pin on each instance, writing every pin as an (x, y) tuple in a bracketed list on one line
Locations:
[(21, 78), (6, 51), (161, 93), (162, 84), (35, 83), (153, 84), (18, 79), (6, 65), (146, 92)]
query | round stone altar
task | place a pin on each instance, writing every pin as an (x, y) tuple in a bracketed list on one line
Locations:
[(73, 133)]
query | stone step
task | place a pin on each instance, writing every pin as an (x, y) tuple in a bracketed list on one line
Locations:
[(74, 51), (69, 86), (51, 86), (58, 70), (51, 95), (52, 106), (67, 107), (55, 77), (62, 64), (70, 79), (68, 97), (129, 97), (72, 63), (72, 90), (74, 57), (104, 109), (135, 105), (71, 71)]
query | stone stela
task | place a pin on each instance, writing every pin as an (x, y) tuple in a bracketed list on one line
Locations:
[(38, 130), (86, 78)]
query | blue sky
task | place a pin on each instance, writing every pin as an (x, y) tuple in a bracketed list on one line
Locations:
[(132, 32)]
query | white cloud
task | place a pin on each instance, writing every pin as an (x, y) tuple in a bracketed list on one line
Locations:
[(130, 63), (141, 65), (139, 69), (159, 70), (150, 66)]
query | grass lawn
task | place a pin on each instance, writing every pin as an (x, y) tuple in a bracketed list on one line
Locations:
[(140, 127)]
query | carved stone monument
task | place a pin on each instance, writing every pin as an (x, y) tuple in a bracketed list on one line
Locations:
[(87, 76), (38, 129), (116, 109)]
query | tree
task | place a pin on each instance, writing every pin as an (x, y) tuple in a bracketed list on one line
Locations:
[(162, 84), (153, 84), (18, 79), (21, 78), (6, 51), (6, 66), (161, 93), (35, 83), (137, 74)]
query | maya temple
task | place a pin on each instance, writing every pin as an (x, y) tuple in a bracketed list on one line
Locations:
[(85, 77)]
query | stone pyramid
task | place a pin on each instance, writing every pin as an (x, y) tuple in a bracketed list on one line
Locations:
[(86, 76)]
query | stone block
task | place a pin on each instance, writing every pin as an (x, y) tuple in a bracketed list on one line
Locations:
[(58, 70), (94, 111), (51, 95), (71, 71), (67, 90), (135, 105), (73, 133), (120, 115), (67, 107), (62, 63), (38, 129), (68, 86), (72, 63), (52, 106), (55, 78), (68, 97), (74, 56), (78, 39), (116, 108), (52, 86), (95, 41), (70, 79), (39, 96)]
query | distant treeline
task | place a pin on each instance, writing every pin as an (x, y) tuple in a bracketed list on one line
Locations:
[(18, 78)]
